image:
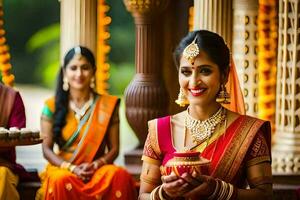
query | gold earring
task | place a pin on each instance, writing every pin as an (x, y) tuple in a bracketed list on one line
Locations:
[(182, 99), (92, 83), (223, 96), (65, 84)]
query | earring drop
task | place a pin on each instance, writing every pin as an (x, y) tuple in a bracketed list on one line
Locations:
[(92, 83), (182, 99), (65, 84), (223, 96)]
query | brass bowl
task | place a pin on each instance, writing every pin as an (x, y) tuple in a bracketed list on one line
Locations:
[(186, 162)]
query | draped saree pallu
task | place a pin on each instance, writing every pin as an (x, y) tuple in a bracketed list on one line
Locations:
[(227, 150), (109, 182)]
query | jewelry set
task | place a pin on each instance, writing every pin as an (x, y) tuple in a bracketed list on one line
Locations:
[(80, 112)]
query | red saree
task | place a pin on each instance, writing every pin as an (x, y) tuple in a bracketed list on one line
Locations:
[(229, 153)]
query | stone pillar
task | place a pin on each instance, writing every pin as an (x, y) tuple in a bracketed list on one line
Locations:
[(78, 24), (214, 15), (244, 50), (286, 151), (146, 97)]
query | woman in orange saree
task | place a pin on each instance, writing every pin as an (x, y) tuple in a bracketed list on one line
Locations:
[(237, 146), (85, 126)]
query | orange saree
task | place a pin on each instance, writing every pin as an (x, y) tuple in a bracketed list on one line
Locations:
[(109, 182), (245, 142)]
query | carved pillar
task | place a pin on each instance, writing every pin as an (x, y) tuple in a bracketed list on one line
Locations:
[(214, 15), (78, 24), (244, 50), (286, 151), (146, 97)]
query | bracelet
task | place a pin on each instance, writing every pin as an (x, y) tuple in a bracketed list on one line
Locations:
[(72, 168), (215, 193), (103, 160), (160, 193), (65, 165), (153, 194)]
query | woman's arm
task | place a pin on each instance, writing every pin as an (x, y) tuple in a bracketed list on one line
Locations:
[(150, 179), (260, 179), (48, 143)]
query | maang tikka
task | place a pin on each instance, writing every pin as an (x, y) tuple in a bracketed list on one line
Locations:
[(191, 51), (77, 51)]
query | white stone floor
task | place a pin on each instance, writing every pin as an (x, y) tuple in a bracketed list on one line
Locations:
[(31, 156)]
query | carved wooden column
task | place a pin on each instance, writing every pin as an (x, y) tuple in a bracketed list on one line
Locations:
[(286, 151), (244, 50), (146, 97), (78, 24), (214, 15)]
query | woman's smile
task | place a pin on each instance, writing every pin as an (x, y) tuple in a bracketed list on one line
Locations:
[(197, 91)]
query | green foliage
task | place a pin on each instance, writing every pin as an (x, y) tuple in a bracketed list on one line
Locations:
[(22, 19), (120, 77), (45, 35), (122, 33), (45, 43)]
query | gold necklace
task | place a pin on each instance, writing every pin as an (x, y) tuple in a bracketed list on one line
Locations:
[(201, 130)]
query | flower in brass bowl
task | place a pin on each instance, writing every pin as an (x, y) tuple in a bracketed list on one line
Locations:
[(186, 162)]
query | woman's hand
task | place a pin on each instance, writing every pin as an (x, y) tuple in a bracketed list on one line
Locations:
[(84, 171), (173, 186), (97, 164), (203, 186)]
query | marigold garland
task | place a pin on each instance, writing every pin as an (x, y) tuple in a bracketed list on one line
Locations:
[(191, 18), (102, 74), (267, 44), (5, 66)]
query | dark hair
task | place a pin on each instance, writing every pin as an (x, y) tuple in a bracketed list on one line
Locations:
[(209, 42), (62, 97)]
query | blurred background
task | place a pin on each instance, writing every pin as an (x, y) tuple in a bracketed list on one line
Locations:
[(33, 33)]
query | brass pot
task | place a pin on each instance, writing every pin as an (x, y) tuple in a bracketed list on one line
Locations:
[(186, 162)]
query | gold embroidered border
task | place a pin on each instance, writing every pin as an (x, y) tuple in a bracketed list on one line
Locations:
[(151, 160), (237, 148), (243, 143), (228, 156), (152, 130), (258, 160)]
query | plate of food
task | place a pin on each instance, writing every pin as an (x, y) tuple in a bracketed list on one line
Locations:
[(19, 137)]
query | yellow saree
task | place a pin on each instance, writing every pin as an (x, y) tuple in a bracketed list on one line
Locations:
[(108, 181)]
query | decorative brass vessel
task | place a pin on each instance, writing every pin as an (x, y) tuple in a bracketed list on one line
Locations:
[(186, 162)]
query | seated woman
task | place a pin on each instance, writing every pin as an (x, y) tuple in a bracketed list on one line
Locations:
[(236, 146), (85, 125), (12, 115)]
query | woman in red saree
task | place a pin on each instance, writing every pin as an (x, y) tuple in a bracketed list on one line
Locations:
[(85, 125), (237, 146)]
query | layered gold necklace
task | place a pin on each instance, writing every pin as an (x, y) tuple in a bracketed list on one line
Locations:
[(202, 130)]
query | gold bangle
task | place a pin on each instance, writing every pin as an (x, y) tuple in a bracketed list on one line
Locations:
[(103, 160), (65, 165), (71, 168), (160, 193), (154, 193), (96, 163)]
